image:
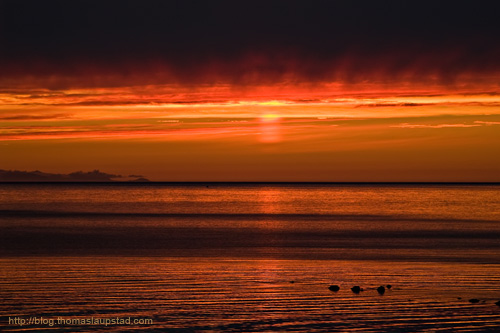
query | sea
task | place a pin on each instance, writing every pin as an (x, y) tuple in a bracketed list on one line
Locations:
[(249, 257)]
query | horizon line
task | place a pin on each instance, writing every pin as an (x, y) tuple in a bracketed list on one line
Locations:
[(259, 182)]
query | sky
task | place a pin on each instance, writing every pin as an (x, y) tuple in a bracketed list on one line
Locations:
[(252, 90)]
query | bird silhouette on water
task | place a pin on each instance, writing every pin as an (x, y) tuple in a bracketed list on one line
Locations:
[(334, 288), (356, 289)]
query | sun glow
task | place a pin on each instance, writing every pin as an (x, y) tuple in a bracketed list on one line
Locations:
[(270, 118)]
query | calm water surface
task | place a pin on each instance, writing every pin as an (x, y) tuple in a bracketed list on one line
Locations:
[(251, 258)]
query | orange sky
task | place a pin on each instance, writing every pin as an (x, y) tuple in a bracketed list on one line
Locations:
[(252, 90), (282, 132)]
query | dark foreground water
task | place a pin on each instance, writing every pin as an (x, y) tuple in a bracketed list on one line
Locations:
[(249, 258)]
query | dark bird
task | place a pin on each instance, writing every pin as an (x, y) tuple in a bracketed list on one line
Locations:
[(334, 288), (356, 289), (474, 300), (389, 286), (381, 290)]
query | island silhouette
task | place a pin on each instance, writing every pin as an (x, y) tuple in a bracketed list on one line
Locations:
[(78, 176)]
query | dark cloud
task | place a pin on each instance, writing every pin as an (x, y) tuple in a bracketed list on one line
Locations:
[(375, 105), (36, 117), (110, 43), (38, 176)]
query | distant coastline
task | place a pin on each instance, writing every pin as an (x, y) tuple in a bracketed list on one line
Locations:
[(243, 184), (96, 176)]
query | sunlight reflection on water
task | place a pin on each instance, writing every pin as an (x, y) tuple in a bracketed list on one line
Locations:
[(252, 258)]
